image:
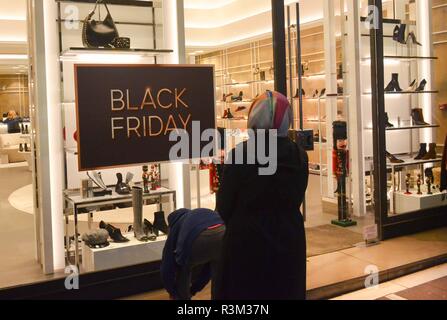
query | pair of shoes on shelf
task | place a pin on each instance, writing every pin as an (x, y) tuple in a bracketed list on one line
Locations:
[(238, 98), (394, 86), (414, 86), (399, 35), (226, 96), (424, 155), (152, 230), (227, 114)]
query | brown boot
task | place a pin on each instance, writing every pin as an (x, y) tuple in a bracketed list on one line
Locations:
[(431, 155)]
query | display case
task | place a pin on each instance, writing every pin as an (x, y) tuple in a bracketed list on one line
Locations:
[(401, 132)]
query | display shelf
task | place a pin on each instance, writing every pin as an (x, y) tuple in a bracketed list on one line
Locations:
[(25, 136), (415, 202), (393, 21), (409, 127), (412, 162), (404, 58), (25, 152), (78, 52), (248, 83), (404, 92), (133, 3)]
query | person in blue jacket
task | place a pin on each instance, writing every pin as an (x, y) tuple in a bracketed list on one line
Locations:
[(194, 243)]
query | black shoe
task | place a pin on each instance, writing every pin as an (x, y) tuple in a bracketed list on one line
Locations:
[(388, 124), (114, 233), (422, 86), (417, 116), (396, 33), (229, 114), (21, 147), (394, 84), (401, 34), (422, 152), (148, 229), (160, 223), (121, 187), (323, 92), (238, 98)]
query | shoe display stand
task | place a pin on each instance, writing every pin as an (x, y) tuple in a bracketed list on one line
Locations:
[(411, 203), (404, 137), (142, 22), (118, 255), (76, 205)]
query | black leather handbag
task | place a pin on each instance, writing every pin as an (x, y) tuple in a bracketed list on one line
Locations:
[(97, 34)]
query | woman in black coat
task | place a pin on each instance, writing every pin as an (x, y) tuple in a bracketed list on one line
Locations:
[(264, 251)]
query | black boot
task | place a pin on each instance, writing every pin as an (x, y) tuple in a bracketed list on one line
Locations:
[(401, 35), (388, 124), (114, 233), (422, 152), (160, 223), (394, 84), (396, 33), (148, 229), (418, 117), (431, 154)]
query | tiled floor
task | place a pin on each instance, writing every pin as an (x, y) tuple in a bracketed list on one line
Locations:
[(332, 268), (430, 284)]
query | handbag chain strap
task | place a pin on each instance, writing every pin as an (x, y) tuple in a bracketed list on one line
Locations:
[(98, 2)]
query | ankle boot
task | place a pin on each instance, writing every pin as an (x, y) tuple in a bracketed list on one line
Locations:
[(229, 114), (137, 203), (418, 117), (396, 33), (422, 152), (394, 84), (422, 86), (431, 155), (388, 124), (114, 233), (149, 230), (160, 223), (21, 148)]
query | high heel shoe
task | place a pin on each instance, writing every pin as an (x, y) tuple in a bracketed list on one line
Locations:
[(388, 124), (393, 159), (394, 84), (399, 33), (114, 233), (421, 86), (411, 36), (323, 93), (160, 223), (412, 87), (417, 116), (148, 229)]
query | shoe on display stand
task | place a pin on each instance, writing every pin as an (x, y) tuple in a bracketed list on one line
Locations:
[(229, 114), (21, 148), (393, 159), (238, 98), (399, 33), (394, 84), (412, 87), (114, 233), (323, 93), (422, 152), (417, 116), (411, 36), (121, 187), (431, 154), (315, 94), (241, 108), (148, 229), (388, 124), (160, 223), (421, 86)]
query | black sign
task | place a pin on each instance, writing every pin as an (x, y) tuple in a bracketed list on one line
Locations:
[(125, 113)]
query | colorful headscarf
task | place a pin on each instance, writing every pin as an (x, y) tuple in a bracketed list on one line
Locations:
[(271, 110)]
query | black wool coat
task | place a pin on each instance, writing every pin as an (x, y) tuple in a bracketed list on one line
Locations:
[(264, 250)]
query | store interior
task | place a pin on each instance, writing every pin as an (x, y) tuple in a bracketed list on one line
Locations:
[(241, 50)]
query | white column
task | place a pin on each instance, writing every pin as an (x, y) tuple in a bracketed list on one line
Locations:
[(49, 139), (355, 115), (330, 54), (174, 38), (424, 34)]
